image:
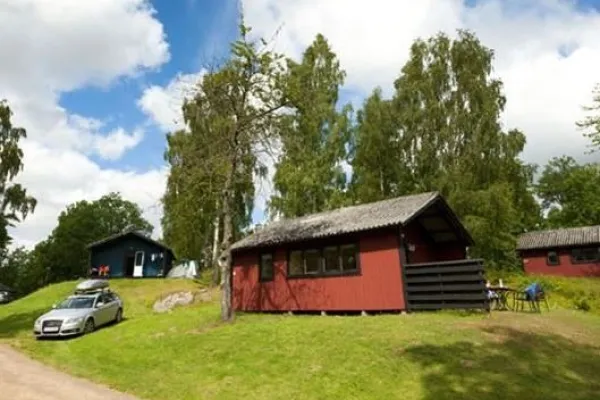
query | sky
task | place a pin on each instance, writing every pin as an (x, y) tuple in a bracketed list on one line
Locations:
[(97, 84)]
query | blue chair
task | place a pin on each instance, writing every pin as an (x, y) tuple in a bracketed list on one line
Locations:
[(533, 294)]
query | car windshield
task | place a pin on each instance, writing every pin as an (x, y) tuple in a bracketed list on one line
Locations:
[(77, 302)]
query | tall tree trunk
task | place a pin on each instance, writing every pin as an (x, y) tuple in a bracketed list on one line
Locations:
[(225, 258), (215, 248)]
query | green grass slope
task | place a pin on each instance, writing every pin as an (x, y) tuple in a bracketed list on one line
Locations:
[(189, 354)]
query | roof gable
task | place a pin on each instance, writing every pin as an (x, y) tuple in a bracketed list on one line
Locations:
[(122, 235), (565, 237), (363, 217)]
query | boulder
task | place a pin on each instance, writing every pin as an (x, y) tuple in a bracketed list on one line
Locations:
[(173, 300)]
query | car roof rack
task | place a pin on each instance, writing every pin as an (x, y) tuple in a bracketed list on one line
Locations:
[(92, 291), (92, 286)]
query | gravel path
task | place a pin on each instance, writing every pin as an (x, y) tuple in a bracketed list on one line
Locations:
[(24, 379)]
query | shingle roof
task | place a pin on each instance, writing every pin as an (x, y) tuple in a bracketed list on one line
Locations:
[(127, 233), (583, 235), (396, 211)]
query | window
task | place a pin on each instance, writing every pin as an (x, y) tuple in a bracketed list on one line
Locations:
[(266, 267), (296, 263), (584, 255), (312, 261), (331, 259), (326, 261), (348, 256), (106, 298), (552, 258)]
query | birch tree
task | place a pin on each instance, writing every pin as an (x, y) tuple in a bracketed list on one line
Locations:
[(441, 131), (232, 118), (591, 123), (15, 202), (309, 176)]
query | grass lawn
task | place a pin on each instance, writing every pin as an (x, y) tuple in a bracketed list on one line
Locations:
[(188, 354)]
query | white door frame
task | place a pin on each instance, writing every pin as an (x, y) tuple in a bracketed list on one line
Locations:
[(138, 269)]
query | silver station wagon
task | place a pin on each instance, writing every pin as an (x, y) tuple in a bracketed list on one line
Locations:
[(92, 306)]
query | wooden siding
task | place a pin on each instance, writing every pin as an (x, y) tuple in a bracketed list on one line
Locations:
[(377, 287), (458, 284), (535, 263), (113, 255)]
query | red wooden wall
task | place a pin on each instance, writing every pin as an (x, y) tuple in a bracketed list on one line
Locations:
[(534, 263), (378, 287)]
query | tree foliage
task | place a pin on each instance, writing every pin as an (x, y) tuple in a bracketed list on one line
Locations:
[(231, 121), (190, 203), (15, 203), (309, 176), (441, 131), (570, 193), (591, 123)]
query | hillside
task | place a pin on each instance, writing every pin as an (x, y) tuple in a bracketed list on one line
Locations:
[(188, 354)]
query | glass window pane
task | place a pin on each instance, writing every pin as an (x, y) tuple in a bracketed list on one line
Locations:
[(266, 267), (585, 254), (553, 258), (296, 261), (349, 253), (312, 261), (331, 257)]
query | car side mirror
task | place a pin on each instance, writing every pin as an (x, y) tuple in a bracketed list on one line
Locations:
[(99, 304), (54, 305)]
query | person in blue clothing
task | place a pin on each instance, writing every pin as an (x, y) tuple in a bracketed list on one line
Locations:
[(492, 295), (532, 291)]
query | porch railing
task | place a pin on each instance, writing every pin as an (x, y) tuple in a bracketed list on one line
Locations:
[(458, 284)]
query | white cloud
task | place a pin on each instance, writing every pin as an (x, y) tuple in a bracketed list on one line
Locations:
[(67, 45), (117, 143), (163, 104), (70, 176), (545, 90)]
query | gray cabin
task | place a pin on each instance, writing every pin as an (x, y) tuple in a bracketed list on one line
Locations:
[(129, 255)]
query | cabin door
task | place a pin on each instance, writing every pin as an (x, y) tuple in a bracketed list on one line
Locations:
[(138, 265)]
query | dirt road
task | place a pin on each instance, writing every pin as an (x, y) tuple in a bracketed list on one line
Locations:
[(24, 379)]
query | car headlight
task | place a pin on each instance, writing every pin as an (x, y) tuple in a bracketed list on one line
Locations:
[(73, 320), (38, 322)]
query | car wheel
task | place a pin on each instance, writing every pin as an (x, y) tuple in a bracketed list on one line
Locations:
[(119, 316), (89, 326)]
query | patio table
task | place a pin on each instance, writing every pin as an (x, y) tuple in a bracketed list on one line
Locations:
[(502, 292)]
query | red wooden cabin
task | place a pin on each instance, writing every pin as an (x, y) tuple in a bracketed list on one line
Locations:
[(349, 259), (566, 252)]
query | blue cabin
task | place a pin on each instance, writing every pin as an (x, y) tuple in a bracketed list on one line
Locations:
[(130, 255)]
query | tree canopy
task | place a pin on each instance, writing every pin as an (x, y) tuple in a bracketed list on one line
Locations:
[(441, 131), (309, 176), (15, 203), (570, 193), (591, 123)]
